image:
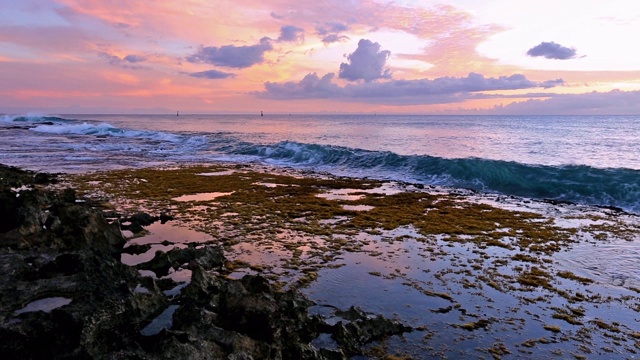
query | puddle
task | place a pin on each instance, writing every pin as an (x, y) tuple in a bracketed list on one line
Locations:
[(136, 259), (338, 195), (358, 207), (357, 194), (259, 254), (269, 185), (176, 290), (163, 321), (46, 305), (325, 341), (218, 173), (179, 276), (168, 232), (201, 196)]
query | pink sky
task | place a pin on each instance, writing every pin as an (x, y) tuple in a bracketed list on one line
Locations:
[(289, 56)]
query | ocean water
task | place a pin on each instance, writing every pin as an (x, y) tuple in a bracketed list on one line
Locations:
[(591, 160)]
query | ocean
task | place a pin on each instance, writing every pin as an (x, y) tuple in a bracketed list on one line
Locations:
[(592, 160)]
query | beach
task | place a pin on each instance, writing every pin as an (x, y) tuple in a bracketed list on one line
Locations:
[(472, 274)]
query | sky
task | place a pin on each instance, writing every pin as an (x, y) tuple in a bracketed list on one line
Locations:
[(335, 56)]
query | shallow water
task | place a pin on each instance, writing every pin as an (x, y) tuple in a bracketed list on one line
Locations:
[(616, 263), (161, 322), (201, 196), (45, 305), (465, 299), (158, 232)]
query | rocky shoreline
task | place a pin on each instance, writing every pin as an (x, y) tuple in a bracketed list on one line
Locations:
[(65, 293)]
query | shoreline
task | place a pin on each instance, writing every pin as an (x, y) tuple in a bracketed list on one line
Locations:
[(455, 266)]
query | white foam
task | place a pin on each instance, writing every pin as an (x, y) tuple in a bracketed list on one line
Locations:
[(105, 129)]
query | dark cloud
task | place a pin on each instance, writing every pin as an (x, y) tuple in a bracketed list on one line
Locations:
[(366, 63), (330, 32), (331, 38), (551, 50), (331, 28), (400, 92), (111, 59), (123, 62), (134, 58), (291, 33), (211, 74), (232, 56), (276, 16)]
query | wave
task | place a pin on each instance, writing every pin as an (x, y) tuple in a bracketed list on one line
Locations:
[(616, 187), (106, 130), (32, 118)]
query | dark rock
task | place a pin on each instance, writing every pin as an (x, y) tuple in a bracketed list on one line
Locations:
[(352, 314), (9, 217), (69, 195), (143, 219), (136, 249), (44, 178), (54, 249), (110, 214), (207, 257), (353, 335), (137, 222), (164, 217)]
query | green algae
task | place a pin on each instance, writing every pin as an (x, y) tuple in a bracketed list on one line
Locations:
[(293, 204), (258, 207), (572, 276)]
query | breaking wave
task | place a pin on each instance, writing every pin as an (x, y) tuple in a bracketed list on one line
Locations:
[(617, 187)]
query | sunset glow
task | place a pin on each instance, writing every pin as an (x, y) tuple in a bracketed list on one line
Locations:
[(218, 56)]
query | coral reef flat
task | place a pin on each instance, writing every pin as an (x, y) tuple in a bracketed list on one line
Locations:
[(281, 263)]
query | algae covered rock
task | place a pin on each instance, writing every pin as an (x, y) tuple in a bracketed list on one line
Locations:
[(65, 294)]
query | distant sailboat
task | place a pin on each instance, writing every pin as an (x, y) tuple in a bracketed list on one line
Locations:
[(177, 113), (261, 113)]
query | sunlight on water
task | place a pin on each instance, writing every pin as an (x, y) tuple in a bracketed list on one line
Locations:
[(201, 196)]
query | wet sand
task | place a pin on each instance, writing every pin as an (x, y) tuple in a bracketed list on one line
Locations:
[(478, 275)]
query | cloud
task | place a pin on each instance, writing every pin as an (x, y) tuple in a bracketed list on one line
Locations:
[(551, 50), (400, 92), (134, 58), (331, 28), (124, 61), (614, 102), (366, 63), (211, 74), (330, 32), (311, 87), (232, 56), (331, 38), (290, 33)]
